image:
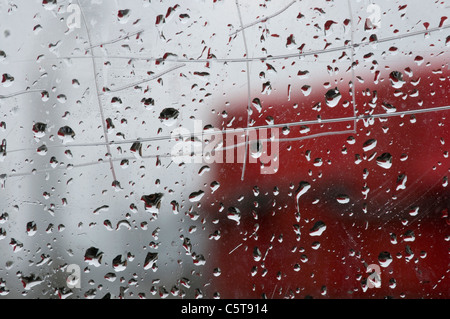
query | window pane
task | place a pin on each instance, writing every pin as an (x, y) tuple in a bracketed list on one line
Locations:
[(224, 149)]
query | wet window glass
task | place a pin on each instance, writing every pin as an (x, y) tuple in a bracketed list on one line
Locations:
[(224, 149)]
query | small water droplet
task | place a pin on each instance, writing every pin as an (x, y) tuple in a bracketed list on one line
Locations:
[(196, 196), (169, 116), (66, 134)]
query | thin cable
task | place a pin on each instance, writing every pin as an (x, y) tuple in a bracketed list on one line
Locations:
[(269, 57), (105, 132), (360, 117), (243, 130), (263, 19), (249, 102), (352, 49), (144, 81), (117, 39)]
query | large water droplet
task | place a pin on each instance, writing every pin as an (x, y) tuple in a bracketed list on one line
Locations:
[(66, 134), (369, 145), (396, 79), (384, 258), (7, 80), (385, 160), (301, 190), (318, 228), (39, 129), (119, 264), (196, 196), (93, 256), (152, 202), (343, 199), (169, 116), (150, 261), (332, 97)]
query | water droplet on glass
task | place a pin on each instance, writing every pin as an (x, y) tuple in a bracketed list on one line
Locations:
[(93, 256), (343, 199), (119, 264), (234, 214), (150, 261), (369, 145), (152, 202), (196, 196), (7, 80), (39, 129), (318, 228), (396, 79), (385, 160), (66, 134), (385, 259), (332, 97), (301, 190), (169, 116)]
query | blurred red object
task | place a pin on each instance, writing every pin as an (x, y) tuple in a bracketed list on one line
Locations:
[(393, 217)]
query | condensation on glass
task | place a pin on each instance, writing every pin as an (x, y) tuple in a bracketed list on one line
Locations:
[(224, 149)]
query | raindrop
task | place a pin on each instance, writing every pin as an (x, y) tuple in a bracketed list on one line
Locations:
[(136, 149), (39, 129), (306, 90), (108, 224), (343, 199), (401, 181), (384, 258), (100, 209), (3, 150), (369, 145), (385, 160), (152, 202), (150, 261), (31, 281), (66, 134), (257, 254), (31, 228), (175, 207), (16, 245), (123, 224), (111, 277), (148, 102), (301, 190), (7, 80), (122, 15), (42, 150), (332, 97), (257, 104), (318, 228), (93, 256), (169, 116), (396, 79), (389, 108), (409, 236), (119, 264), (256, 148)]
